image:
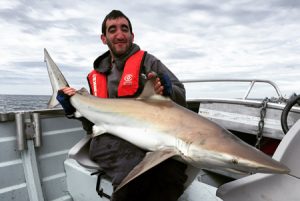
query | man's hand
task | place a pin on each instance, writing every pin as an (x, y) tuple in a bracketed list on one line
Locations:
[(68, 91), (63, 97)]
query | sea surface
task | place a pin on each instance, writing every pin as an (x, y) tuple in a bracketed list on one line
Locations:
[(11, 103)]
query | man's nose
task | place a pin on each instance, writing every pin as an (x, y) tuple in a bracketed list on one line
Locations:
[(120, 34)]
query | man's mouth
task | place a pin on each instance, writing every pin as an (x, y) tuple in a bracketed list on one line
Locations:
[(120, 42)]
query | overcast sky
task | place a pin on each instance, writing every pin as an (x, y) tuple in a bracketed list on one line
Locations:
[(207, 39)]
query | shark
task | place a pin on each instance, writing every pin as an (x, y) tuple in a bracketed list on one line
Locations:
[(165, 130)]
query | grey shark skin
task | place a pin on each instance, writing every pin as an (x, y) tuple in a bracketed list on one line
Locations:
[(165, 129)]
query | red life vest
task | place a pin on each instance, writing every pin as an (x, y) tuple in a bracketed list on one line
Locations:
[(129, 82)]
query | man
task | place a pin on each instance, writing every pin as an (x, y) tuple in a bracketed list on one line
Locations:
[(122, 72)]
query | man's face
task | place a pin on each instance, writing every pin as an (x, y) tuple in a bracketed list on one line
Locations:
[(118, 36)]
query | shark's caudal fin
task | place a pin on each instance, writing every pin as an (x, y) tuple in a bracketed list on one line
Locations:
[(151, 160), (57, 79)]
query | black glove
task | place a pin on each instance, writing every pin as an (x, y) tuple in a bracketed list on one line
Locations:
[(166, 83), (64, 100)]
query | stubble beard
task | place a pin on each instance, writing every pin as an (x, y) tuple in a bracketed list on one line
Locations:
[(117, 53)]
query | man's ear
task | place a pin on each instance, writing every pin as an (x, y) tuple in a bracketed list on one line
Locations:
[(103, 38), (132, 36)]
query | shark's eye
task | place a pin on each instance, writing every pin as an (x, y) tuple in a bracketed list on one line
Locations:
[(235, 161)]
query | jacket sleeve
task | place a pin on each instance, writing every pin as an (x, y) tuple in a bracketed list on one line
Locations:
[(151, 63)]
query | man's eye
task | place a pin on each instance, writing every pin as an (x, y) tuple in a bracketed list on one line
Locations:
[(125, 28), (111, 30)]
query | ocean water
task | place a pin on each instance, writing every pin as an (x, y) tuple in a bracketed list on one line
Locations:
[(10, 103)]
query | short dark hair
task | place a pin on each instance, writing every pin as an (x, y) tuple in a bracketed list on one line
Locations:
[(114, 14)]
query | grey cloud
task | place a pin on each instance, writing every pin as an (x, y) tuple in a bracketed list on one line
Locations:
[(164, 16), (18, 78), (287, 3), (28, 64), (259, 11), (70, 68), (245, 16), (198, 6), (241, 13), (19, 73), (184, 54), (21, 15), (292, 66)]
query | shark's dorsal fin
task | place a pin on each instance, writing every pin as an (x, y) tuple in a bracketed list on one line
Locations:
[(150, 160), (83, 91), (149, 92)]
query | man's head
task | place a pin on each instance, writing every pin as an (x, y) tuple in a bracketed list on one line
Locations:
[(117, 33), (114, 14)]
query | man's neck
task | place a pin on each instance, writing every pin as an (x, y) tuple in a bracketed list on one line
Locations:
[(123, 56)]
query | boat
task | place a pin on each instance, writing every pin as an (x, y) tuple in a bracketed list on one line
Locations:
[(44, 155)]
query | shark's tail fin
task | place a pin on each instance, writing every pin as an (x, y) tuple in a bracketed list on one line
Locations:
[(57, 79)]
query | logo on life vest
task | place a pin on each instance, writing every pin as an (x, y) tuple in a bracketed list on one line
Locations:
[(95, 84), (128, 79)]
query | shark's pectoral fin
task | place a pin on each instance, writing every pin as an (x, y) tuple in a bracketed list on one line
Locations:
[(151, 159), (98, 130), (77, 114)]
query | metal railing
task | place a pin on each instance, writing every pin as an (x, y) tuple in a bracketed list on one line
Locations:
[(251, 84)]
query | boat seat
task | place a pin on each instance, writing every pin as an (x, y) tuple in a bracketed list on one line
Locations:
[(80, 153), (275, 187)]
